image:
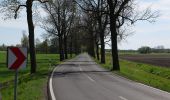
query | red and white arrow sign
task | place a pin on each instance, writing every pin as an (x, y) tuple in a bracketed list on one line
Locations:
[(17, 57)]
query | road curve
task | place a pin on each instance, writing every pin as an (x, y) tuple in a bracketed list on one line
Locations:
[(82, 79)]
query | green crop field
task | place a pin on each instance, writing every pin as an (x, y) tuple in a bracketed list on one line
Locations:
[(30, 87), (156, 76)]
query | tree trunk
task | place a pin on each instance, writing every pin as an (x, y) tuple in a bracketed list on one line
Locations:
[(102, 41), (97, 51), (65, 46), (71, 47), (31, 36), (115, 58), (61, 48), (76, 43), (102, 47), (91, 46)]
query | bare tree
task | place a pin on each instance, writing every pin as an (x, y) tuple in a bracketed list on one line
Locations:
[(58, 23), (53, 23), (11, 8), (119, 12)]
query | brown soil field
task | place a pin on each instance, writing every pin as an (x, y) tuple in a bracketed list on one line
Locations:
[(158, 60)]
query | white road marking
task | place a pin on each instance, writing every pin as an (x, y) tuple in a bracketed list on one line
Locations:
[(80, 69), (154, 88), (140, 83), (51, 87), (90, 78), (123, 98), (86, 74)]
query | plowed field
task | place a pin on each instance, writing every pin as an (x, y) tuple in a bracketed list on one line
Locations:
[(158, 60)]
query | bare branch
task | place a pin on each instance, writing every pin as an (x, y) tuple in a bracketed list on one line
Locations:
[(148, 15), (16, 11), (42, 1), (125, 2)]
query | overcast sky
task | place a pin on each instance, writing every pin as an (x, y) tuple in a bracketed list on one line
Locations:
[(146, 34)]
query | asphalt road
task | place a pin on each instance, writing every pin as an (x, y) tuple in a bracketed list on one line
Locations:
[(82, 79)]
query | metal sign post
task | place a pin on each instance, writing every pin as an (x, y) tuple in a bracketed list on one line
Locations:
[(15, 84)]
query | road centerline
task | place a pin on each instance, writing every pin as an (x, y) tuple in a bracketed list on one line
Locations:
[(80, 68), (123, 98), (91, 79)]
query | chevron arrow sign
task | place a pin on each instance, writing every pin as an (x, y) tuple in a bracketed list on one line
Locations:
[(16, 58)]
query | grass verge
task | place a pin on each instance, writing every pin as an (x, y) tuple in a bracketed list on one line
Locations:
[(30, 87), (151, 75)]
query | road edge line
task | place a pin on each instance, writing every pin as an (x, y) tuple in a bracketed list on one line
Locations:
[(142, 84), (50, 85), (154, 88)]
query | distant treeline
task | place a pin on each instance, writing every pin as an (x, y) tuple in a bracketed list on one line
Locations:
[(158, 49), (42, 48), (47, 46), (145, 50), (3, 47)]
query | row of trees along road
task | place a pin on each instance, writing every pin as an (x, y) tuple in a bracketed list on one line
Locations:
[(112, 17), (80, 25)]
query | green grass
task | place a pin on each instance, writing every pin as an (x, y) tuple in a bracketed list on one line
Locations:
[(151, 75), (30, 87)]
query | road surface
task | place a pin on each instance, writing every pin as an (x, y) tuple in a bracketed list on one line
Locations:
[(82, 79)]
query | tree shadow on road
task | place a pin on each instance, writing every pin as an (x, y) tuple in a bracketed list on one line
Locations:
[(66, 73)]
